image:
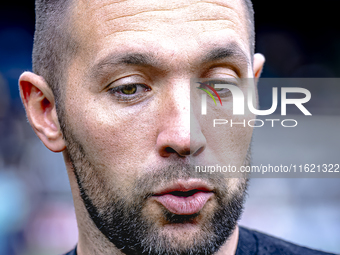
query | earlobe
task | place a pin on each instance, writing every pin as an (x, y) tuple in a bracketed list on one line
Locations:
[(39, 103), (259, 60)]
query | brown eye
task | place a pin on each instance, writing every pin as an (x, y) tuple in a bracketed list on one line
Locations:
[(222, 92), (212, 84), (130, 93), (217, 89), (129, 90)]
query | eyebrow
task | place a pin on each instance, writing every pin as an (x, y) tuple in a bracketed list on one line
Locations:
[(231, 51), (137, 59), (104, 66)]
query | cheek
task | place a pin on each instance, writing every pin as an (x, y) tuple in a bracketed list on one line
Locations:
[(117, 142), (227, 143)]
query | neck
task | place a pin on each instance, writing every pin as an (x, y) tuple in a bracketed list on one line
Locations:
[(229, 248), (90, 241)]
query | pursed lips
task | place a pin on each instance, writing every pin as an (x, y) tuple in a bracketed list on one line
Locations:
[(184, 197)]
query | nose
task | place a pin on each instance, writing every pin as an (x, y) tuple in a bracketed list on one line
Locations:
[(179, 133)]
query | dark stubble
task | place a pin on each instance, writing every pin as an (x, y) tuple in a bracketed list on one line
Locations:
[(119, 214)]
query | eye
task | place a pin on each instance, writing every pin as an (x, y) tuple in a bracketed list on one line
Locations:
[(130, 92), (211, 85), (217, 89), (129, 89)]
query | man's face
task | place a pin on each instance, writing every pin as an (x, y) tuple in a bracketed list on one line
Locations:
[(129, 121)]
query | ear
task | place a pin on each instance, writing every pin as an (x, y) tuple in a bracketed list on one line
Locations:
[(39, 103), (258, 64)]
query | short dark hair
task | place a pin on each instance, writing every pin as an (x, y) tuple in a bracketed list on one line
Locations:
[(251, 24), (54, 46)]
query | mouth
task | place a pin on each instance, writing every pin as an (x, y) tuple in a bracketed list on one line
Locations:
[(184, 197)]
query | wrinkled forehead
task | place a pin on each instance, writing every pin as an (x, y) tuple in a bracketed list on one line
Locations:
[(176, 23)]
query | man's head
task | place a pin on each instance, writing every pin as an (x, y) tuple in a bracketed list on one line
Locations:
[(126, 119), (55, 44)]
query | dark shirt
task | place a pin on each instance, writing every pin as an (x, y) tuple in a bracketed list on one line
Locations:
[(255, 243), (73, 252)]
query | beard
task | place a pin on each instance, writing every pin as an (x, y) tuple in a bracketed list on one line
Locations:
[(121, 215)]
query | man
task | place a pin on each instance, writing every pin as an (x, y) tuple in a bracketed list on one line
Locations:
[(111, 90)]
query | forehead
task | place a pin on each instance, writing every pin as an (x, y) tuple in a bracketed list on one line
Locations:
[(170, 25)]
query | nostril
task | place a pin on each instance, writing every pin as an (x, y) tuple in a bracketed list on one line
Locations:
[(170, 150), (182, 152), (195, 153)]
